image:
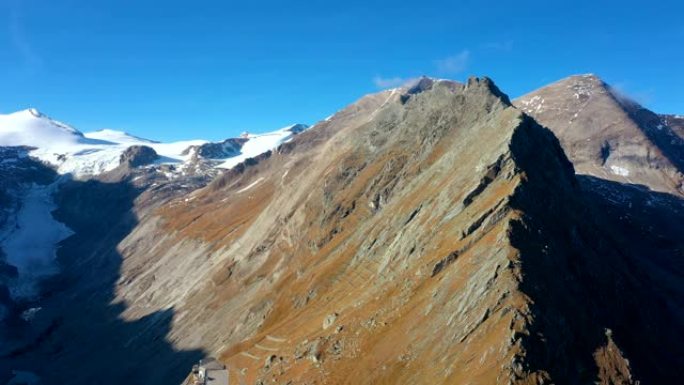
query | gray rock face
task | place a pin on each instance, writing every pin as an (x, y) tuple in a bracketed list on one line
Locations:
[(217, 150), (675, 122), (136, 156), (298, 128)]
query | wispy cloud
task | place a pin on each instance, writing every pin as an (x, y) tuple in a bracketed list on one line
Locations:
[(454, 64), (622, 91), (382, 82), (31, 59), (451, 65)]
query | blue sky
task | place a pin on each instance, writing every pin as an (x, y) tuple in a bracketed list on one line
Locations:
[(211, 69)]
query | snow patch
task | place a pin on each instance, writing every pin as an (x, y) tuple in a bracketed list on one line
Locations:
[(250, 185), (533, 104), (29, 314), (259, 144), (617, 170)]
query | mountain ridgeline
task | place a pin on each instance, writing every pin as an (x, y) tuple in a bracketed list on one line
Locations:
[(429, 234)]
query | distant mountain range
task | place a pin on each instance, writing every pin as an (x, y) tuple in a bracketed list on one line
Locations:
[(93, 153), (437, 233)]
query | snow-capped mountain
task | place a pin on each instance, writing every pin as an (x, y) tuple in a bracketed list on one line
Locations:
[(31, 128), (85, 154)]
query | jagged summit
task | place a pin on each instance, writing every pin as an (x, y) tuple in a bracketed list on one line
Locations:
[(490, 86), (484, 85), (422, 84)]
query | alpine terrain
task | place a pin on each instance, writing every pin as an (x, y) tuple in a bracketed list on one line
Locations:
[(436, 233)]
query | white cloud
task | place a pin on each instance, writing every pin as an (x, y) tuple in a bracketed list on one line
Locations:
[(454, 64)]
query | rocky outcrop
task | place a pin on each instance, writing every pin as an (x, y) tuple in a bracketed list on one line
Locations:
[(136, 156), (216, 150), (298, 128), (675, 122)]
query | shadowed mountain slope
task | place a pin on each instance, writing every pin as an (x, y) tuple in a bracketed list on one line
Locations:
[(78, 336)]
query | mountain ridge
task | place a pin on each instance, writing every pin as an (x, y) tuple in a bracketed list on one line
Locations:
[(432, 233)]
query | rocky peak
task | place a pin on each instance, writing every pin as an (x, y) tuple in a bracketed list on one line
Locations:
[(424, 83), (608, 135), (136, 156), (487, 86)]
